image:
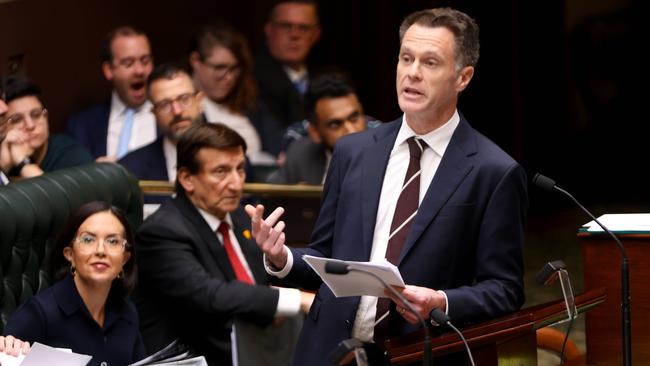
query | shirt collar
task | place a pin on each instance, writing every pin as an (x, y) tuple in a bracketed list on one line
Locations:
[(214, 221), (437, 139), (118, 106), (295, 75)]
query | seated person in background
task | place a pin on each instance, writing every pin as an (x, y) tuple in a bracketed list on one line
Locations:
[(28, 149), (333, 111), (124, 122), (87, 309), (176, 105), (3, 130), (199, 270), (281, 70), (222, 69)]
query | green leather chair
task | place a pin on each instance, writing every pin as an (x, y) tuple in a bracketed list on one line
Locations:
[(34, 210)]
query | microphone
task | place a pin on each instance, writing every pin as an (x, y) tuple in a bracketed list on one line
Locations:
[(548, 184), (440, 317), (340, 268)]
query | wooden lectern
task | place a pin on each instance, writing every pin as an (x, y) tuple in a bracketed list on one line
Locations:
[(509, 340), (602, 268)]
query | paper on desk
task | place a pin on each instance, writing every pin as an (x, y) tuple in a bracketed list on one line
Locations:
[(621, 222), (40, 354), (357, 283)]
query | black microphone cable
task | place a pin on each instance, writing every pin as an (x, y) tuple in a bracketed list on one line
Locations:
[(440, 317)]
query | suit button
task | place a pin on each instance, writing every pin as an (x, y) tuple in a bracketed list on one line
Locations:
[(103, 364), (347, 323)]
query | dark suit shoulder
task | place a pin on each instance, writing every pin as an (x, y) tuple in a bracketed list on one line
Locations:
[(147, 162)]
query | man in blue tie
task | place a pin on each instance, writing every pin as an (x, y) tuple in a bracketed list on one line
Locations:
[(280, 68), (124, 122), (426, 192)]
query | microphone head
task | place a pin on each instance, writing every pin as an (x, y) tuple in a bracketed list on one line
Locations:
[(336, 267), (439, 316), (543, 182)]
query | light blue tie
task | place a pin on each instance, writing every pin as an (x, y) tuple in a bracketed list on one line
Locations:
[(125, 135), (301, 85)]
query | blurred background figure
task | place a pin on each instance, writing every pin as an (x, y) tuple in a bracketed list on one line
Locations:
[(291, 31), (28, 149), (333, 111), (87, 310), (222, 69), (111, 129)]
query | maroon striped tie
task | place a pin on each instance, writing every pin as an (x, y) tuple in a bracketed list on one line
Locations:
[(405, 210)]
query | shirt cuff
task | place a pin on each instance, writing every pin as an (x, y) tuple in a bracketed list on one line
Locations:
[(270, 268), (288, 302), (446, 302)]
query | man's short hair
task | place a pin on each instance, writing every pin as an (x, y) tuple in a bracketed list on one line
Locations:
[(463, 27), (18, 87), (275, 4), (106, 52), (166, 71), (204, 136), (330, 85)]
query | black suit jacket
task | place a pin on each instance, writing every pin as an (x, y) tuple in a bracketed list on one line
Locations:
[(90, 127), (147, 162), (306, 161), (276, 90), (187, 287)]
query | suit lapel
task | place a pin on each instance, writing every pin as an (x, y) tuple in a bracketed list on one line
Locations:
[(209, 238), (375, 160), (453, 168)]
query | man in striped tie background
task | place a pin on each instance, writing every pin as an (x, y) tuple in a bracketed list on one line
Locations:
[(427, 192)]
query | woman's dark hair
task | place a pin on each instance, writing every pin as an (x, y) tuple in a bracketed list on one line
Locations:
[(59, 265)]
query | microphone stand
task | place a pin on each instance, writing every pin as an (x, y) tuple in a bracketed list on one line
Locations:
[(549, 184), (625, 285), (426, 357)]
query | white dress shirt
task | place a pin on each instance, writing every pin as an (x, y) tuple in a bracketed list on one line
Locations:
[(144, 125), (3, 179), (437, 140), (169, 149)]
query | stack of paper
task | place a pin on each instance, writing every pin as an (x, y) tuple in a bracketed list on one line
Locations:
[(638, 222)]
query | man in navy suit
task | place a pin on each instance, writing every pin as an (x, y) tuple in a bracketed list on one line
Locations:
[(176, 105), (461, 250), (124, 123)]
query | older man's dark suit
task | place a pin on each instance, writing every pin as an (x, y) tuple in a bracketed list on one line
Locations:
[(187, 287), (90, 128), (469, 227)]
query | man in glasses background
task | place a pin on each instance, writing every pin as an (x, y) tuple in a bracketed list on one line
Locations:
[(176, 105), (27, 148), (280, 68), (124, 122)]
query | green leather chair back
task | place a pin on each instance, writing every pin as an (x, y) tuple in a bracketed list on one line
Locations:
[(34, 210)]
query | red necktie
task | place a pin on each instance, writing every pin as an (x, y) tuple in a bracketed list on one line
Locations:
[(237, 266), (405, 210)]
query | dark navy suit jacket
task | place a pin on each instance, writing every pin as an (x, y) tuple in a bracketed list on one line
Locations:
[(147, 162), (466, 239), (58, 317), (90, 127)]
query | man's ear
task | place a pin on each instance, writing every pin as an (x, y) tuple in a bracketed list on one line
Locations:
[(185, 179), (107, 70), (313, 133), (464, 77), (194, 60)]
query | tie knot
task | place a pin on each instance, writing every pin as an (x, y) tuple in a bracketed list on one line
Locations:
[(223, 228), (416, 146)]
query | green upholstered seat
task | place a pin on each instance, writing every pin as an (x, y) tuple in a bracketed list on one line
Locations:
[(34, 210)]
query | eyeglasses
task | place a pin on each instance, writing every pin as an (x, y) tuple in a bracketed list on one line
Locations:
[(287, 27), (112, 243), (183, 100), (220, 71), (36, 115)]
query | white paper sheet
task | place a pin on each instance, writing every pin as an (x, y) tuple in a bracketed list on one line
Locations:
[(621, 222), (41, 354), (356, 283)]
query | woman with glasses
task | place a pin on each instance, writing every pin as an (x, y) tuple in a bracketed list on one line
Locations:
[(87, 309), (222, 69), (28, 149)]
